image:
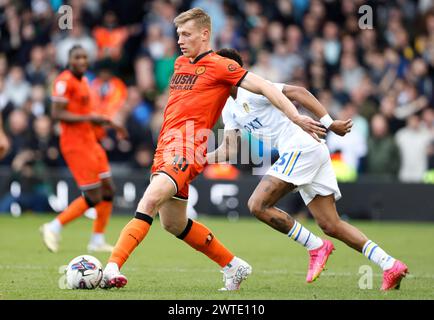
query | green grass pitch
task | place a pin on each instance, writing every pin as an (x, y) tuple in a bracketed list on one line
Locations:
[(163, 267)]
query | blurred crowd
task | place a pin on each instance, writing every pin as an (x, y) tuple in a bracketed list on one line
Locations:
[(381, 77)]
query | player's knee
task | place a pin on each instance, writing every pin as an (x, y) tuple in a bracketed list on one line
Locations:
[(92, 199), (149, 204), (172, 227), (108, 193), (329, 228), (256, 207)]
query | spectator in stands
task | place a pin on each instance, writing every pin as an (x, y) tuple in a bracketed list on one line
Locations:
[(163, 66), (316, 44), (413, 141), (31, 173), (285, 61), (44, 144), (37, 68), (16, 87), (162, 13), (332, 45), (352, 73), (264, 68), (18, 133), (383, 158), (109, 92), (6, 105), (111, 37), (139, 118), (215, 9), (388, 109), (354, 147), (37, 105)]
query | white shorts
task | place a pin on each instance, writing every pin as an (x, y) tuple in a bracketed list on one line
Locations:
[(311, 171)]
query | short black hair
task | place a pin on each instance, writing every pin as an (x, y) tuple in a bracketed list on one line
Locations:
[(73, 48), (231, 54)]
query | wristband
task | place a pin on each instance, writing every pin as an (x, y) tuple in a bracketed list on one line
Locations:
[(326, 121)]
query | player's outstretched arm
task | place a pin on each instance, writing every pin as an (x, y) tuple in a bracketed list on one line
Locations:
[(227, 150), (256, 84), (307, 99)]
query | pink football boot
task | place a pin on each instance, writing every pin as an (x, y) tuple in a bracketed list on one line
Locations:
[(392, 277), (318, 259)]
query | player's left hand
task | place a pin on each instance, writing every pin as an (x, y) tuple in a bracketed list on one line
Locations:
[(314, 128), (340, 127)]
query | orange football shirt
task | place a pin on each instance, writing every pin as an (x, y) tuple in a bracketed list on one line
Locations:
[(75, 93), (198, 93)]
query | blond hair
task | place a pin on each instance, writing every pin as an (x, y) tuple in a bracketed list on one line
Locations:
[(200, 17)]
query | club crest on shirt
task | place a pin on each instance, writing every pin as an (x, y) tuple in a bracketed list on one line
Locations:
[(232, 67), (200, 70), (60, 87), (246, 107)]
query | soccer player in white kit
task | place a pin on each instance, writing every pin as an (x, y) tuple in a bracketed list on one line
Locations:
[(305, 166)]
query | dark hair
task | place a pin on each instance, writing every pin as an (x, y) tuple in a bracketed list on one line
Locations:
[(74, 47), (231, 54)]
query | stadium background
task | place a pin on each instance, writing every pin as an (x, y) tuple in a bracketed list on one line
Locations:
[(383, 78)]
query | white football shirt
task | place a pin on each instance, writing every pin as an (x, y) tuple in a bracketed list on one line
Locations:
[(257, 115)]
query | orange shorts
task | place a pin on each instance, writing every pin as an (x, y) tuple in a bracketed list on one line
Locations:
[(179, 172), (88, 165)]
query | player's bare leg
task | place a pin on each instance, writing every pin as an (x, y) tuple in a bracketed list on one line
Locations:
[(160, 190), (173, 217), (51, 231), (103, 209), (261, 205), (262, 201), (323, 208)]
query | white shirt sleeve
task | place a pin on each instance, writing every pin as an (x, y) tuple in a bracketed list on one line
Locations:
[(261, 101), (227, 115)]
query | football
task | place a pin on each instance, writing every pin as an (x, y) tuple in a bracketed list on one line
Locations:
[(84, 272)]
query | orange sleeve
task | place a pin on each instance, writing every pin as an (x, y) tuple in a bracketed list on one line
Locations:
[(62, 89), (230, 72)]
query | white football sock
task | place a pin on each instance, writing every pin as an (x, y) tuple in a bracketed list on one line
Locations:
[(304, 237), (377, 255), (234, 262), (55, 226), (111, 267), (97, 238)]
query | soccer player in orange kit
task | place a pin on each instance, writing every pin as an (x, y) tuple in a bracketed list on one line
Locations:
[(199, 88), (85, 157)]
